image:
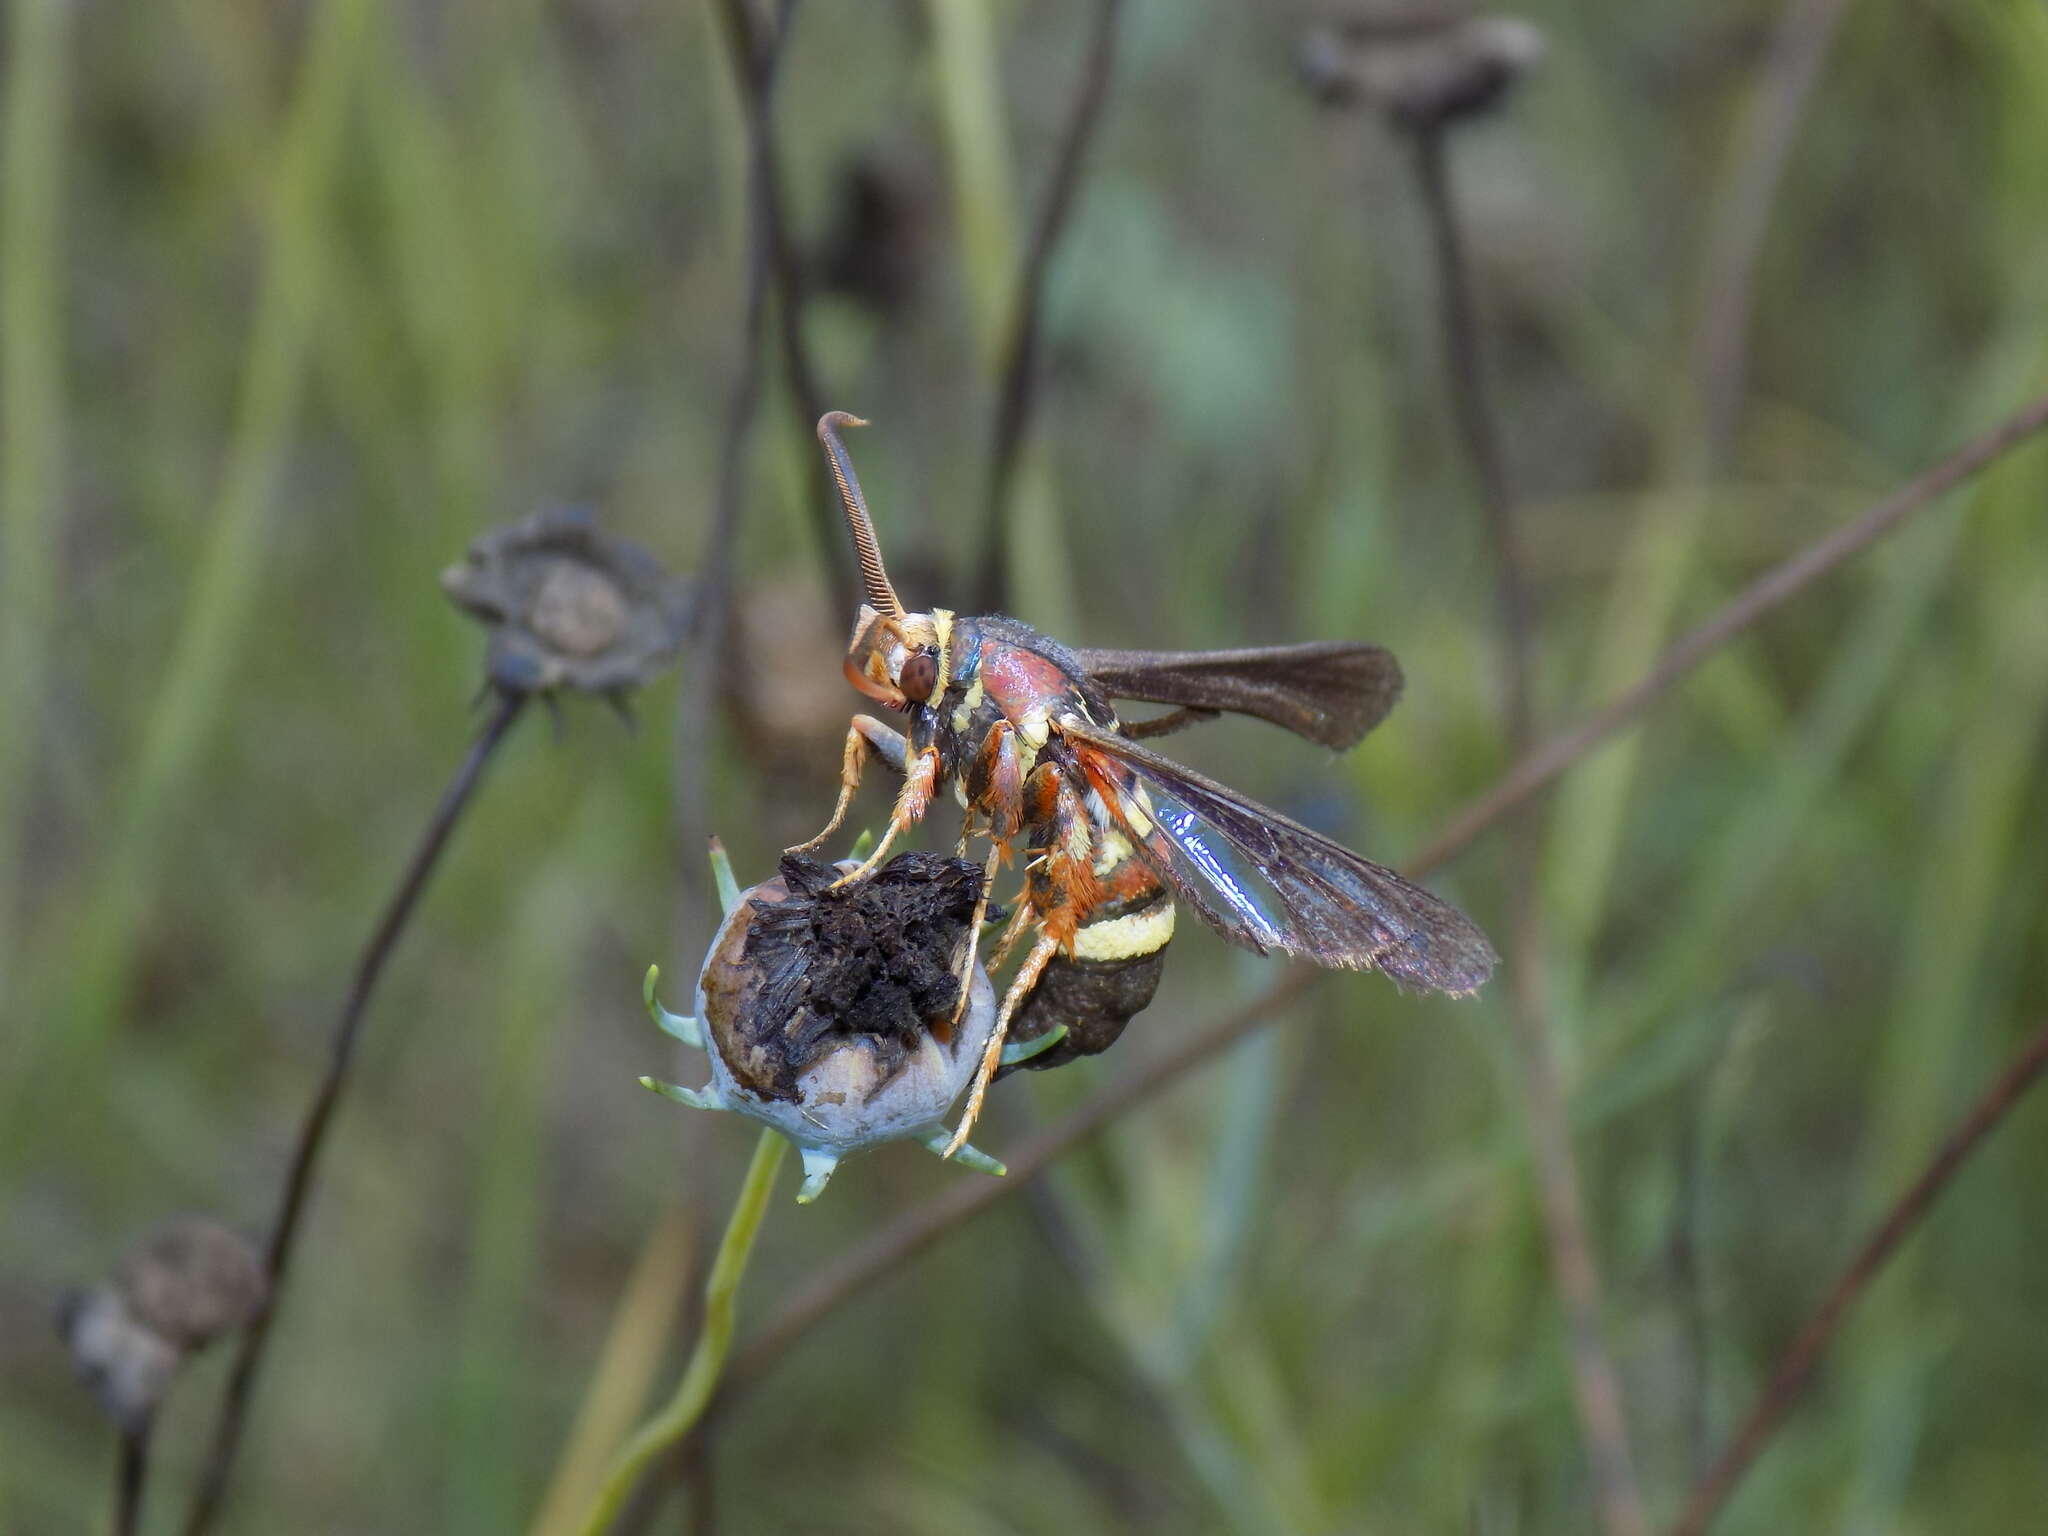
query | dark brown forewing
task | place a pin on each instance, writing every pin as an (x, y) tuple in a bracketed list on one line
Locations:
[(1332, 692), (1270, 883)]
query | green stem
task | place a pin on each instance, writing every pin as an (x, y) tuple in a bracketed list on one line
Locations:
[(707, 1360), (32, 407)]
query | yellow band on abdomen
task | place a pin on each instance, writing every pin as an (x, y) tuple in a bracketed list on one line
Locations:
[(1121, 938)]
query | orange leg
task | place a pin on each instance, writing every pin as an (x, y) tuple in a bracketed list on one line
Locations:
[(919, 784), (1059, 889), (991, 1056), (988, 878), (1018, 923), (866, 737), (994, 786)]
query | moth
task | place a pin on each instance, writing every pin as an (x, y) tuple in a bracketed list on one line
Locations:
[(1024, 731)]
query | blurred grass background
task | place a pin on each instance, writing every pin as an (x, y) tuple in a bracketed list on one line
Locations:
[(298, 299)]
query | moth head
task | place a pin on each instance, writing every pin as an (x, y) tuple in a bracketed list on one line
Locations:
[(894, 658)]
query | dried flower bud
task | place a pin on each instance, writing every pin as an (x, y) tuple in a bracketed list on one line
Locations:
[(829, 1013), (1423, 65), (192, 1281), (188, 1283), (568, 605)]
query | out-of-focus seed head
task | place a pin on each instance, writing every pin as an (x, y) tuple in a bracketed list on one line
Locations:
[(188, 1283), (569, 606), (1421, 64), (193, 1280), (829, 1014)]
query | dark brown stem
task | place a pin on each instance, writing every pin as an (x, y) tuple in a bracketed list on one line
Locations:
[(705, 672), (298, 1189), (1476, 424), (700, 1486), (753, 55), (131, 1473), (1796, 1365), (705, 667), (1596, 1386), (1595, 1382), (909, 1235), (1764, 596), (1017, 392), (764, 247)]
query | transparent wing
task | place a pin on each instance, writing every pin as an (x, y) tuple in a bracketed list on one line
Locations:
[(1272, 884)]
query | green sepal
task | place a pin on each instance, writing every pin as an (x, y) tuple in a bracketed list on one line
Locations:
[(697, 1098), (1015, 1051), (818, 1167), (722, 877), (684, 1029), (968, 1156)]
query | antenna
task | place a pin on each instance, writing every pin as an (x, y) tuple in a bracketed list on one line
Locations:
[(881, 596)]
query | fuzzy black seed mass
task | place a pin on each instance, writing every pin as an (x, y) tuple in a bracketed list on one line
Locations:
[(871, 963)]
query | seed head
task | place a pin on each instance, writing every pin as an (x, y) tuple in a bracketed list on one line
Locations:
[(829, 1013), (187, 1284), (832, 1013), (569, 606), (1423, 65)]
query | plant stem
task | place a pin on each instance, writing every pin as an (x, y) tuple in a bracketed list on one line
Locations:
[(131, 1473), (1017, 394), (1735, 239), (1596, 1384), (1476, 422), (227, 1431), (1658, 554), (32, 409), (754, 63), (890, 1247), (707, 1360), (968, 84), (754, 54), (1762, 597), (1796, 1365), (620, 1381)]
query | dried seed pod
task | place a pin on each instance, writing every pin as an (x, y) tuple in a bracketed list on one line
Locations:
[(569, 606), (829, 1014), (187, 1284), (1422, 64), (193, 1280)]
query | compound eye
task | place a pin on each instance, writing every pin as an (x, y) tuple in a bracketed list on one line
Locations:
[(919, 677)]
